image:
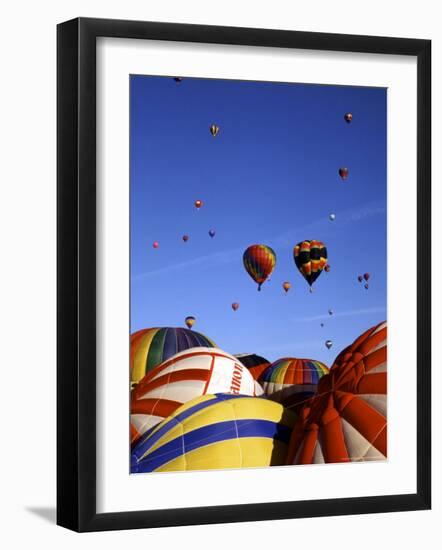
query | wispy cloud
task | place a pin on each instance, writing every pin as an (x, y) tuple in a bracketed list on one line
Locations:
[(348, 313), (283, 240)]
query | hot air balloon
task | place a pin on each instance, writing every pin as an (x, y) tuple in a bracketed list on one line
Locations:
[(343, 172), (360, 278), (366, 286), (327, 268), (212, 233), (286, 286), (182, 377), (235, 306), (291, 381), (348, 117), (150, 347), (328, 344), (366, 276), (185, 238), (214, 129), (259, 261), (190, 321), (322, 324), (255, 363), (347, 420), (178, 79), (155, 244), (198, 203), (310, 258), (332, 217), (216, 431), (330, 312)]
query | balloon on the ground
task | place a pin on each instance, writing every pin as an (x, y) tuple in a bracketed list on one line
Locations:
[(291, 381), (216, 431), (255, 363), (310, 258), (286, 286), (214, 129), (259, 261), (343, 172), (150, 347), (190, 321), (347, 420), (183, 377)]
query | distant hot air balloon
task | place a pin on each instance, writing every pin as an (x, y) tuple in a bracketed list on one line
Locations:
[(214, 129), (190, 321), (332, 217), (322, 324), (310, 258), (330, 312), (212, 233), (198, 203), (328, 344), (348, 117), (327, 268), (286, 286), (366, 286), (360, 278), (366, 276), (178, 79), (343, 172), (156, 244), (185, 238), (235, 306), (259, 261)]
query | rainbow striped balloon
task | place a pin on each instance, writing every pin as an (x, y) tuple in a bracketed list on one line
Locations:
[(216, 431), (259, 261), (151, 346), (291, 381)]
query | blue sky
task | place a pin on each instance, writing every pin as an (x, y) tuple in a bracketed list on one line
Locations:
[(269, 177)]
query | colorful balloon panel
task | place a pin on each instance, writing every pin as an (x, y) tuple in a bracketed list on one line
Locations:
[(347, 420), (216, 431), (183, 377), (150, 347), (310, 258), (259, 261), (255, 363), (292, 381)]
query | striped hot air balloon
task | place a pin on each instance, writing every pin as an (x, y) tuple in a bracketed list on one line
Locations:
[(255, 363), (151, 346), (292, 381), (310, 258), (259, 261), (347, 420), (183, 377), (214, 432)]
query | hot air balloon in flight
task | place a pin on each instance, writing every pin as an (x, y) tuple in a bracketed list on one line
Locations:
[(259, 261), (198, 203), (212, 233), (235, 306), (155, 244), (178, 79), (214, 129), (184, 376), (327, 268), (352, 402), (255, 363), (343, 172), (322, 324), (185, 238), (332, 217), (366, 286), (190, 321), (328, 344), (150, 347), (366, 276), (310, 258), (348, 117), (291, 381), (216, 431), (360, 278), (330, 312), (286, 286)]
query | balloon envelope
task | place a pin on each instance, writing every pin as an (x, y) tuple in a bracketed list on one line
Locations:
[(235, 306), (212, 232), (255, 363), (155, 244), (198, 203), (190, 321), (214, 129), (185, 238), (286, 286), (259, 261), (348, 117), (310, 258), (328, 344), (343, 172)]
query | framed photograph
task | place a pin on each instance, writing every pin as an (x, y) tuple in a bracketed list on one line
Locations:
[(243, 274)]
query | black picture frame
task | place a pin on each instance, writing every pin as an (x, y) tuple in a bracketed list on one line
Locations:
[(76, 274)]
